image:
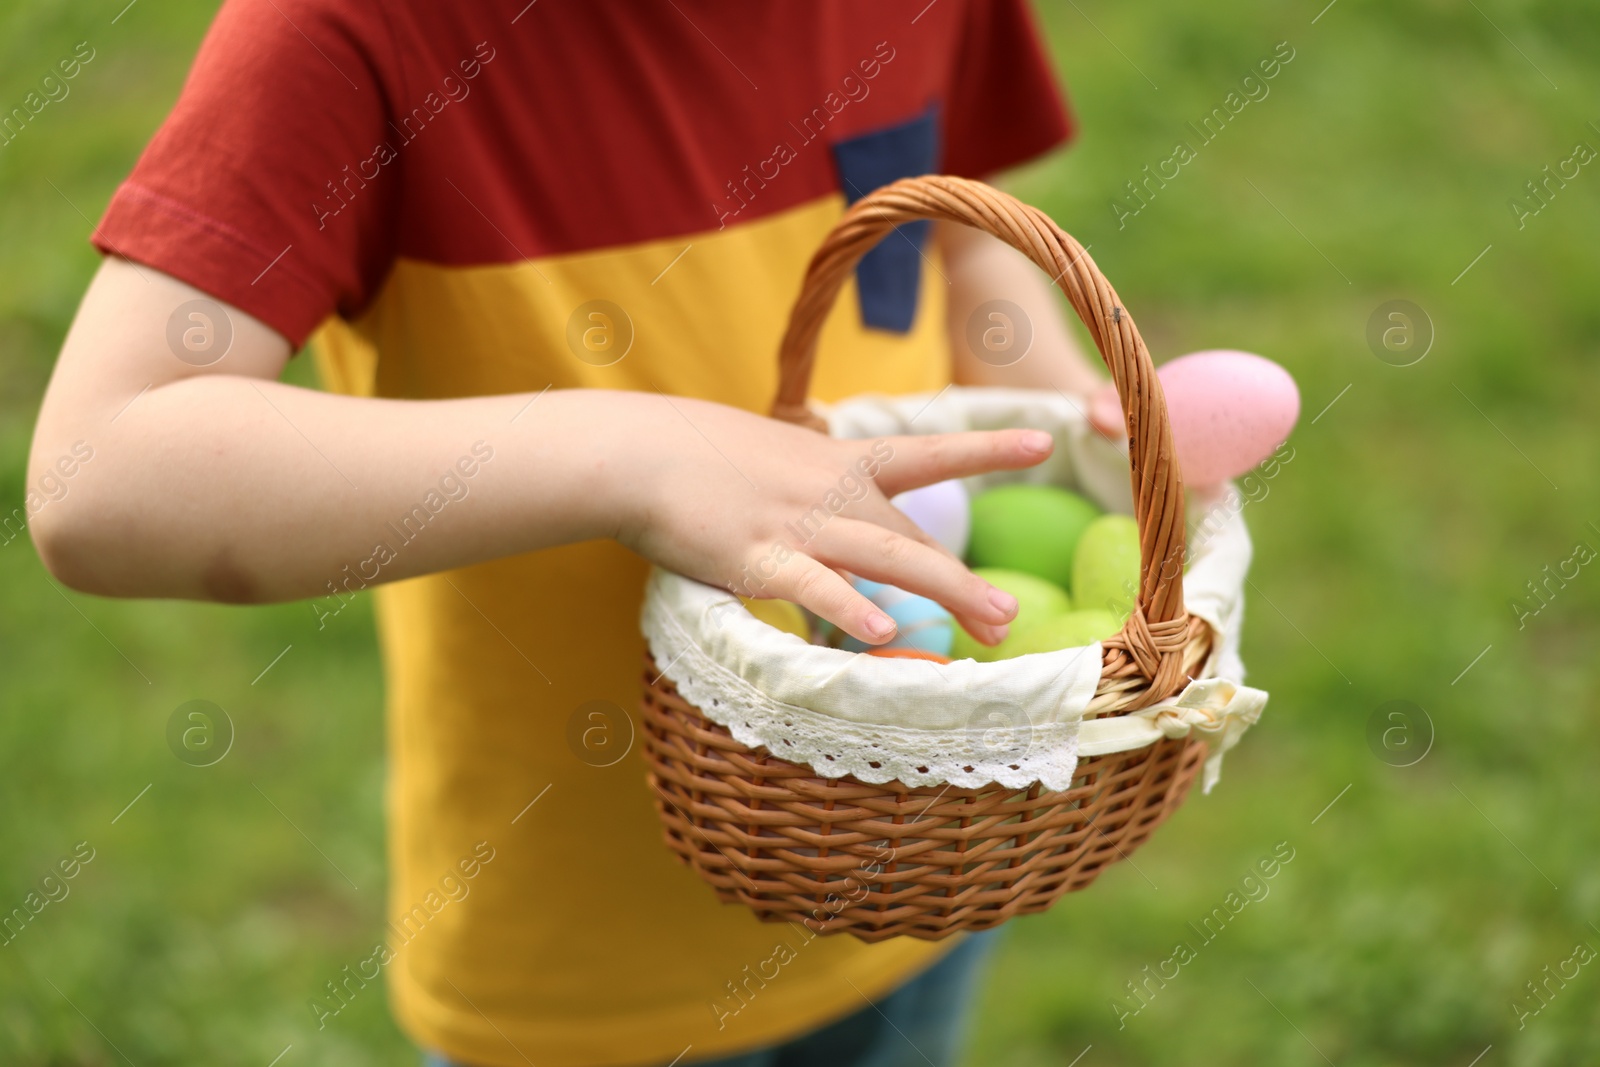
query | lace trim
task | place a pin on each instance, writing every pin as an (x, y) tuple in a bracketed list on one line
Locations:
[(1012, 754)]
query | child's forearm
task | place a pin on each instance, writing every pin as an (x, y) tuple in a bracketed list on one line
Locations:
[(154, 475), (233, 489), (981, 269)]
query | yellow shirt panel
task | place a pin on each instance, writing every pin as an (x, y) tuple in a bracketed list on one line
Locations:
[(582, 940)]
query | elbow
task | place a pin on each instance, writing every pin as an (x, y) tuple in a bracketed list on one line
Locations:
[(59, 513), (66, 548), (90, 551)]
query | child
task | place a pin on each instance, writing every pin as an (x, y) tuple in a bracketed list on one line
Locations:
[(547, 250)]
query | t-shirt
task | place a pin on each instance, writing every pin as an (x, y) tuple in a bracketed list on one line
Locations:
[(512, 196)]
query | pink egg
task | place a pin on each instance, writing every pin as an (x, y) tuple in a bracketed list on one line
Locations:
[(1230, 410)]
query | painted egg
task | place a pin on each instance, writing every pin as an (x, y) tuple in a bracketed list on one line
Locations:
[(1072, 630), (1037, 600), (1029, 528), (1105, 572), (924, 624), (780, 615), (1230, 410), (942, 510), (907, 653)]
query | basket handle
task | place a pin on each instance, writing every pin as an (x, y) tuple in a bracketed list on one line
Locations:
[(1150, 647)]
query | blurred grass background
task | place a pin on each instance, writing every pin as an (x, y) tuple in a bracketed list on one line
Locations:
[(1389, 550)]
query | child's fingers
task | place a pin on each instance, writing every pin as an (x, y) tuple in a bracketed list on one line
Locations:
[(820, 590), (886, 514), (923, 460), (883, 512), (885, 556)]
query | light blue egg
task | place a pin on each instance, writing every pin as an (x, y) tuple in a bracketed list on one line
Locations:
[(924, 625)]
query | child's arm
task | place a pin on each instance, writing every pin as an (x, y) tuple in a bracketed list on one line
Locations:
[(220, 483), (982, 268)]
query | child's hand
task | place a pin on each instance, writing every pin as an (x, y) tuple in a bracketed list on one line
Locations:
[(768, 509)]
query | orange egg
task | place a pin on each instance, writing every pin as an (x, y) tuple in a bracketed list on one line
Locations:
[(907, 653)]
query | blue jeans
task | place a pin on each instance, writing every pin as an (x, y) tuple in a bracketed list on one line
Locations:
[(920, 1024)]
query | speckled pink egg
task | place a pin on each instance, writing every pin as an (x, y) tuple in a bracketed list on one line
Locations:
[(1229, 410)]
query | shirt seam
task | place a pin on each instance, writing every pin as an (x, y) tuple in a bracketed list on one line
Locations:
[(133, 190)]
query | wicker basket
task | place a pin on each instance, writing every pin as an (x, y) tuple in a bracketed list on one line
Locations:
[(880, 861)]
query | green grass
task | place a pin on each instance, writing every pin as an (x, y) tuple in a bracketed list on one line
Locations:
[(1388, 553)]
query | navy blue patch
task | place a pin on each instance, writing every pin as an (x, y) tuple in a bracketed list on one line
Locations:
[(889, 275)]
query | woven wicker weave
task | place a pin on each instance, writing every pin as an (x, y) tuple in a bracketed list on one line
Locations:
[(880, 861)]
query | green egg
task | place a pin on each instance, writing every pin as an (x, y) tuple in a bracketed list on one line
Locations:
[(1037, 600), (1105, 570), (1072, 630), (1029, 528), (964, 646)]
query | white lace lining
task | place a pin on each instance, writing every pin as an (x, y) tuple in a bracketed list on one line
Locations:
[(1012, 753)]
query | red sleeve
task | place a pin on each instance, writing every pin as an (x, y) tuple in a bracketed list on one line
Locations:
[(1005, 107), (250, 190)]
